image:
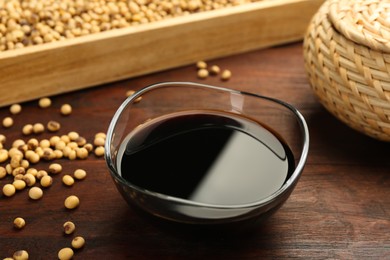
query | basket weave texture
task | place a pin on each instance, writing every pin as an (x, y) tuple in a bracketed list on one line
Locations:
[(347, 59)]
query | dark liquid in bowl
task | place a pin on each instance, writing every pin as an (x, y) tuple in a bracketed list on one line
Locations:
[(206, 156)]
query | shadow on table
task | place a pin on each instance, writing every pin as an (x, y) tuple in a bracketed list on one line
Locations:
[(183, 241), (334, 142)]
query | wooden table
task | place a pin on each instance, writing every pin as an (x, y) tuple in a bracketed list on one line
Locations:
[(340, 208)]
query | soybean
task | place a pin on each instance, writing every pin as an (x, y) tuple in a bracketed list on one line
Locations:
[(58, 153), (32, 144), (44, 143), (3, 172), (53, 126), (68, 180), (73, 135), (69, 227), (82, 153), (72, 155), (201, 65), (33, 157), (78, 242), (38, 128), (29, 179), (18, 171), (19, 184), (17, 143), (48, 154), (60, 145), (77, 143), (131, 92), (80, 141), (215, 70), (99, 141), (19, 223), (16, 160), (89, 147), (8, 122), (226, 75), (54, 140), (46, 181), (18, 177), (24, 164), (203, 73), (66, 109), (15, 109), (100, 135), (72, 202), (3, 155), (65, 138), (44, 102), (27, 129), (35, 193), (2, 139), (99, 151), (20, 255), (80, 174), (41, 174), (9, 168), (55, 168), (9, 190), (65, 253), (32, 171), (72, 145)]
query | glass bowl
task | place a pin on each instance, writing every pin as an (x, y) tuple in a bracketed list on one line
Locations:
[(150, 106)]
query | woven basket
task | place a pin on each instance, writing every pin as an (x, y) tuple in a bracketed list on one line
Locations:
[(347, 58)]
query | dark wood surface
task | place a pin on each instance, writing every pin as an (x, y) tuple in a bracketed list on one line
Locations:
[(340, 208)]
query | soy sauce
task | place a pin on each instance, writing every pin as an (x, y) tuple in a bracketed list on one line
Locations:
[(206, 156)]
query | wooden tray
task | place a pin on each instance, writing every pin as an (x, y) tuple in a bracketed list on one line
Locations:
[(91, 60)]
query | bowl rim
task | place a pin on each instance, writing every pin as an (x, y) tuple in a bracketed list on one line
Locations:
[(264, 201)]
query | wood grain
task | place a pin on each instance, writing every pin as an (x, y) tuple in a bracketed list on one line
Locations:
[(340, 208), (96, 59)]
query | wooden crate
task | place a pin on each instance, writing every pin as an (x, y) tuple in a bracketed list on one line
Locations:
[(91, 60)]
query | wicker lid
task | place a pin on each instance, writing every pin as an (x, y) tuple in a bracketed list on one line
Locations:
[(366, 22)]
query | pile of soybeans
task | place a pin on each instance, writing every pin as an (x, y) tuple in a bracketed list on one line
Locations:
[(32, 22)]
